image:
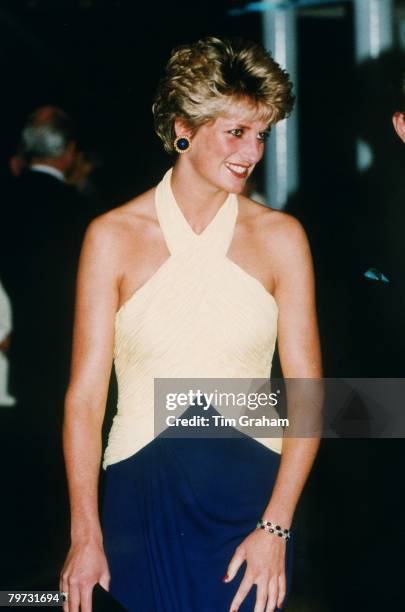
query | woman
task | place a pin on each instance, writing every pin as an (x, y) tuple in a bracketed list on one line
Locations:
[(190, 279)]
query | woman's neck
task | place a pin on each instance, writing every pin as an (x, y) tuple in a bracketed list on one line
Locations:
[(198, 199)]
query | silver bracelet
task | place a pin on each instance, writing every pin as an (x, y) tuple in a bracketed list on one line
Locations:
[(274, 529)]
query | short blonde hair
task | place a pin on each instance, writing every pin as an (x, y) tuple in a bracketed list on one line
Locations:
[(205, 79)]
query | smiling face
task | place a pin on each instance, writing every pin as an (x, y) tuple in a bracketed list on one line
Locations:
[(225, 151)]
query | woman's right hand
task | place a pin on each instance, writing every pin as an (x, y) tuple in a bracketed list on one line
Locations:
[(85, 566), (97, 298)]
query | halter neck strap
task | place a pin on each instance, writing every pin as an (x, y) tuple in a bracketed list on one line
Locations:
[(178, 233)]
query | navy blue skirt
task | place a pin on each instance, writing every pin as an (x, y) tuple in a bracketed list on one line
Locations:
[(173, 515)]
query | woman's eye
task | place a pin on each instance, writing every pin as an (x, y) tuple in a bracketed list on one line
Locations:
[(263, 136), (236, 132)]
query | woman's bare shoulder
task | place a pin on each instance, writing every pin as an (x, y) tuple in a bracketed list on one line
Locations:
[(115, 226), (275, 226)]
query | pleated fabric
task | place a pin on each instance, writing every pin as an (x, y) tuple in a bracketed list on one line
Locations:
[(199, 316)]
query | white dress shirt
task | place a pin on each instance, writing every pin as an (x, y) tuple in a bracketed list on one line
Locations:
[(48, 170)]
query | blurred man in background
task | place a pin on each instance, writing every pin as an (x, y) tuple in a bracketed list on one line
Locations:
[(44, 224)]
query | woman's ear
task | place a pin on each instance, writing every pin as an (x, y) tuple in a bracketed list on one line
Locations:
[(398, 119), (182, 128)]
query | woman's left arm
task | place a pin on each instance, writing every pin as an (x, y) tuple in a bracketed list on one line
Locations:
[(300, 357)]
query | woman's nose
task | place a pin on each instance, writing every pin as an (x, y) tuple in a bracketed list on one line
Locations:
[(253, 150)]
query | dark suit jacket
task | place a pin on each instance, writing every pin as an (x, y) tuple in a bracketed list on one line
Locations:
[(41, 239)]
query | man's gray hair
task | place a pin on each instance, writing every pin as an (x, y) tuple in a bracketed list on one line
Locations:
[(47, 133)]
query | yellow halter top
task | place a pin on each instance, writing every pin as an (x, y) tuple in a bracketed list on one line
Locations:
[(199, 316)]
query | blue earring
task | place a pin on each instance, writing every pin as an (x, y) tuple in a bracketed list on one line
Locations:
[(182, 144)]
